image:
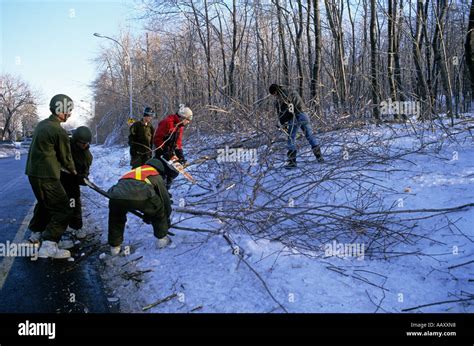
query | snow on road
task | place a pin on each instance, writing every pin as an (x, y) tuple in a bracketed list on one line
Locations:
[(207, 277)]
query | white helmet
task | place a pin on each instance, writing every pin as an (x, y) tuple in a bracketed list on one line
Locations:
[(185, 112)]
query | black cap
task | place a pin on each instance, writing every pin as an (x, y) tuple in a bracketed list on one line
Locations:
[(148, 112), (83, 134), (274, 88)]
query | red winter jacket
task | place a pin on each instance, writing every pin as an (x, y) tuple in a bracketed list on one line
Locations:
[(169, 127)]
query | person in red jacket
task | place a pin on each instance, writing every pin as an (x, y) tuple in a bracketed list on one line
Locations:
[(168, 140)]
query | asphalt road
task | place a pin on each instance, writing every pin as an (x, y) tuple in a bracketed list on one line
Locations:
[(44, 285)]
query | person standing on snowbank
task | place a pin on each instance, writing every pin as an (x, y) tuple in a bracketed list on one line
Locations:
[(140, 189), (290, 108), (48, 154), (140, 139), (168, 140)]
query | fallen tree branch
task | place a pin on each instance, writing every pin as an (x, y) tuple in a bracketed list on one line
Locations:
[(460, 265), (236, 252), (164, 300), (439, 303)]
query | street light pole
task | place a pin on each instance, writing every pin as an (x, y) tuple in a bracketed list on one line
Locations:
[(130, 67)]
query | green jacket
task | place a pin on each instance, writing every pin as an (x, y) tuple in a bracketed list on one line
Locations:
[(140, 139), (136, 190), (49, 151)]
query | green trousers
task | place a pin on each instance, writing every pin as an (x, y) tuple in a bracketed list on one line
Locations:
[(152, 208), (73, 191), (52, 211)]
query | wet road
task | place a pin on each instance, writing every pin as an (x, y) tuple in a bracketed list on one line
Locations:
[(45, 285)]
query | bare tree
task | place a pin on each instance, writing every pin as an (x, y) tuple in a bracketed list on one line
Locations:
[(18, 103)]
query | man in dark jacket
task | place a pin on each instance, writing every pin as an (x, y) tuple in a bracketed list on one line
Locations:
[(48, 154), (168, 140), (82, 157), (141, 189), (140, 139), (291, 111)]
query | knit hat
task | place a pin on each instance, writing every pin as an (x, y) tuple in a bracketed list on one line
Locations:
[(185, 112)]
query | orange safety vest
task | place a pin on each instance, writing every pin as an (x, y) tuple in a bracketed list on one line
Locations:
[(141, 173)]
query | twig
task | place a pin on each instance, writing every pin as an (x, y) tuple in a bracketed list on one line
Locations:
[(148, 307), (239, 254), (439, 303), (462, 264), (133, 260)]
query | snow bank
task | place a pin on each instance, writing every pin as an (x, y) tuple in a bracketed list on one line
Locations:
[(206, 275)]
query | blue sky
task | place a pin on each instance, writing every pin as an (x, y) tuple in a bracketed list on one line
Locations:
[(50, 44)]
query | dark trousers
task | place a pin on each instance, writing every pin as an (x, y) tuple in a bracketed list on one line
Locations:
[(152, 208), (73, 192), (52, 211)]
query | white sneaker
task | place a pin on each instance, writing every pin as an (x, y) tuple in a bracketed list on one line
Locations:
[(50, 249), (35, 237), (115, 250), (80, 233), (163, 242), (65, 244)]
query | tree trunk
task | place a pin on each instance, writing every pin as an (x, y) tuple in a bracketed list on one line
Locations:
[(316, 70), (469, 46), (373, 62)]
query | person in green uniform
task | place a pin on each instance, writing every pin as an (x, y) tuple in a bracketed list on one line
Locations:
[(82, 157), (141, 189), (140, 139), (48, 154)]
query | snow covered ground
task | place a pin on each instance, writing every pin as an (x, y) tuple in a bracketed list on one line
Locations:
[(202, 269)]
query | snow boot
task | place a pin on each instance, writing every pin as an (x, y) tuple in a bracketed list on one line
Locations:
[(115, 250), (317, 153), (291, 163), (35, 238), (49, 249), (163, 242), (80, 233)]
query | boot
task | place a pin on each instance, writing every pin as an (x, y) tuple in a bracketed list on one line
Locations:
[(317, 153), (163, 242), (291, 163), (115, 250), (65, 244), (80, 233), (50, 249)]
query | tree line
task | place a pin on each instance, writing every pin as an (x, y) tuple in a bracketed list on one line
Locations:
[(344, 57)]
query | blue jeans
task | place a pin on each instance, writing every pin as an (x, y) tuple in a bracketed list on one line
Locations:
[(300, 120)]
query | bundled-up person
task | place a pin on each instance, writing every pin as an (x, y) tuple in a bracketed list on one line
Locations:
[(142, 189), (291, 112), (168, 140), (48, 154), (140, 139), (80, 143)]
